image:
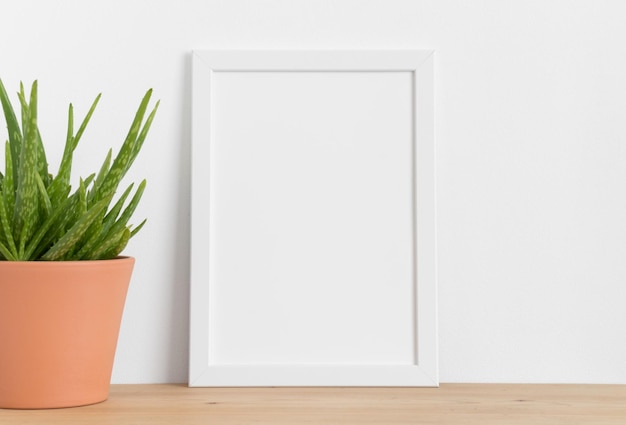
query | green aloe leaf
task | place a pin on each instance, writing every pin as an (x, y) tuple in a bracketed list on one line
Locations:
[(8, 185), (43, 195), (122, 221), (132, 205), (109, 246), (138, 228), (6, 228), (142, 136), (68, 241), (61, 182), (42, 162), (44, 236), (59, 188), (82, 198), (40, 217), (24, 109), (83, 125), (26, 206), (55, 226), (126, 154), (97, 233), (126, 235), (6, 253), (13, 128), (104, 170)]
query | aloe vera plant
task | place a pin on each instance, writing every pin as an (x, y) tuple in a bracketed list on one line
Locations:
[(40, 217)]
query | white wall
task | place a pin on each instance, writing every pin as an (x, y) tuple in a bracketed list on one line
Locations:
[(531, 135)]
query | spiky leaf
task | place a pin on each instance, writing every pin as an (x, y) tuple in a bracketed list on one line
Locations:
[(13, 128), (26, 206), (68, 241), (39, 218)]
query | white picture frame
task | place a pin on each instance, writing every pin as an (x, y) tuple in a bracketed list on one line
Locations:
[(277, 307)]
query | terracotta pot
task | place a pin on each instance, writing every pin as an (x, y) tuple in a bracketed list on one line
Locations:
[(59, 323)]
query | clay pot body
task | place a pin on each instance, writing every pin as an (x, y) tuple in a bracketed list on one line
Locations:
[(59, 324)]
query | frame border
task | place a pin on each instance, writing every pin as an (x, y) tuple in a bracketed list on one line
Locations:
[(425, 370)]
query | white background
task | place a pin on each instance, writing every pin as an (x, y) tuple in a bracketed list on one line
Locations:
[(531, 135)]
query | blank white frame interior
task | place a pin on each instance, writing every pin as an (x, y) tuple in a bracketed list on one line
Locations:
[(313, 252)]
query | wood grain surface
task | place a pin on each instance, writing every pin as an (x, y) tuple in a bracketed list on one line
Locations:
[(450, 404)]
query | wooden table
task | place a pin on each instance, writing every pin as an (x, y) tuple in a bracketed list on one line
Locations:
[(450, 404)]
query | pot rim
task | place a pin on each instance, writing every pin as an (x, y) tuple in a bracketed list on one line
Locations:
[(120, 257), (71, 263)]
